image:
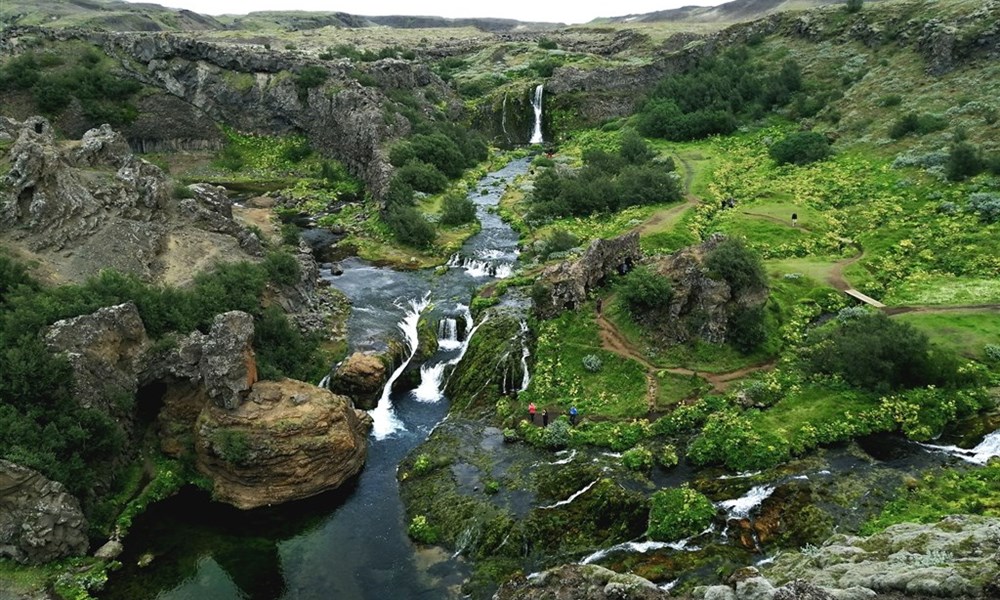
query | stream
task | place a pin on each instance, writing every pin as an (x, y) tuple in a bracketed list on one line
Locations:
[(350, 543)]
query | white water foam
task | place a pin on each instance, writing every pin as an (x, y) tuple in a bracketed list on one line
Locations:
[(536, 104), (639, 547), (980, 455), (743, 475), (448, 334), (571, 498), (477, 267), (432, 376), (740, 508), (564, 461), (384, 419)]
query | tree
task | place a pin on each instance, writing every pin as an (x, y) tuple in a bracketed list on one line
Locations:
[(634, 148), (854, 6), (645, 292), (409, 226)]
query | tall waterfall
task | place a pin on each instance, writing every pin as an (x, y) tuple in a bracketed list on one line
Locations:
[(536, 103), (503, 118), (384, 420), (448, 334)]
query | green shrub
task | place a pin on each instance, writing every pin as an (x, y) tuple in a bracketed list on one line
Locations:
[(420, 530), (400, 193), (422, 465), (914, 123), (290, 235), (745, 329), (297, 151), (667, 457), (645, 292), (181, 191), (409, 226), (232, 445), (986, 205), (309, 77), (875, 352), (729, 438), (678, 513), (992, 352), (457, 209), (283, 268), (739, 266), (638, 459), (800, 148), (964, 161), (560, 240), (634, 149), (547, 44), (853, 6), (422, 177)]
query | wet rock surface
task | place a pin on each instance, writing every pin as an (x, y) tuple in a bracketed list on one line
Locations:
[(361, 377), (289, 440), (39, 521)]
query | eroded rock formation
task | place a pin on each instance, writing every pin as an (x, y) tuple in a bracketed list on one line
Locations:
[(39, 520), (96, 206), (289, 440), (579, 582), (568, 283), (361, 377)]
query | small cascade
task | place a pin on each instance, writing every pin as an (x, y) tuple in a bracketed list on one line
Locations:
[(571, 498), (639, 547), (980, 455), (740, 508), (478, 267), (536, 103), (432, 376), (525, 353), (384, 420), (448, 334), (325, 382)]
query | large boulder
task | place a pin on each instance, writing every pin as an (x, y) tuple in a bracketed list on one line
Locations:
[(568, 283), (39, 520), (361, 377), (289, 440)]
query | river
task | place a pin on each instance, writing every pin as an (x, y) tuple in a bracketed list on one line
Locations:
[(351, 543)]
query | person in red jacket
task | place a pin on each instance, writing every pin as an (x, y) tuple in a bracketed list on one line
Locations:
[(531, 412)]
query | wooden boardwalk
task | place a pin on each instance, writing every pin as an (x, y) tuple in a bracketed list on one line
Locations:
[(866, 299)]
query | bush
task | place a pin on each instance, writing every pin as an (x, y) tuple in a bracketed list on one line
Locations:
[(309, 77), (422, 177), (877, 353), (987, 206), (644, 292), (299, 151), (638, 459), (729, 438), (800, 148), (914, 123), (409, 226), (400, 193), (634, 149), (547, 44), (667, 457), (560, 240), (457, 209), (283, 268), (290, 235), (992, 352), (964, 161), (853, 6), (745, 329), (738, 265), (592, 363), (421, 531), (678, 513)]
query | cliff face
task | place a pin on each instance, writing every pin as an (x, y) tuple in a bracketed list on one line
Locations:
[(568, 283), (39, 520), (80, 208)]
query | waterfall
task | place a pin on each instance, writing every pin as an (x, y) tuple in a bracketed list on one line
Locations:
[(980, 455), (536, 103), (640, 547), (525, 353), (325, 382), (478, 267), (571, 498), (432, 376), (503, 118), (448, 334), (384, 420), (739, 508)]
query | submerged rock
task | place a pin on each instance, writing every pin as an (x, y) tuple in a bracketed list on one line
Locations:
[(39, 520), (579, 582), (289, 440)]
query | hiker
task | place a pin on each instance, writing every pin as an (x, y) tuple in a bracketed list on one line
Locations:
[(795, 219), (545, 417), (572, 415), (598, 306), (531, 412)]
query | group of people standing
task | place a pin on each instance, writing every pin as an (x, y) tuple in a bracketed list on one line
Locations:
[(532, 410)]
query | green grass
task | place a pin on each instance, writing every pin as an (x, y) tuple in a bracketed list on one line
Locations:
[(617, 390), (810, 405), (965, 332), (816, 268), (674, 388), (944, 290)]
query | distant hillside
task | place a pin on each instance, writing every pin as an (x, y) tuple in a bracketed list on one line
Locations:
[(115, 15), (730, 12)]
